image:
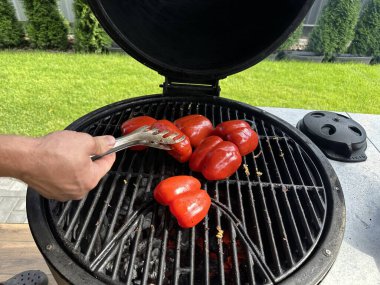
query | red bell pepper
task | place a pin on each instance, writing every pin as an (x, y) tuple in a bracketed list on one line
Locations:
[(215, 158), (187, 202), (245, 139), (196, 127), (135, 123), (169, 189), (227, 127), (190, 208), (222, 161), (180, 151), (201, 152), (240, 133)]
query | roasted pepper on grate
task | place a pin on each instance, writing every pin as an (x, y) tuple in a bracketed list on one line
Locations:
[(240, 133), (199, 154), (196, 127), (180, 151), (215, 158), (135, 123), (187, 202)]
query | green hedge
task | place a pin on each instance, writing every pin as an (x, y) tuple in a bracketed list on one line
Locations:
[(293, 38), (11, 31), (335, 29), (89, 35), (46, 27), (367, 33)]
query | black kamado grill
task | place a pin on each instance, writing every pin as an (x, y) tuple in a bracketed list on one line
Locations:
[(282, 212)]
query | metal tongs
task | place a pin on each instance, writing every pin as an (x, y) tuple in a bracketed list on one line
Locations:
[(144, 136)]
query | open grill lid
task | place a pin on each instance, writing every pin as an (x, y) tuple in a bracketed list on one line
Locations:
[(199, 41)]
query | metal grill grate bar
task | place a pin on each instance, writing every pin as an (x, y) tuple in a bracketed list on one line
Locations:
[(285, 238), (241, 214), (89, 215), (279, 218), (124, 231), (322, 199), (233, 239), (72, 224), (302, 216), (90, 212), (296, 238), (133, 256), (99, 223), (67, 206), (309, 176), (161, 267), (177, 265), (123, 191), (117, 262), (150, 245), (250, 260), (135, 190), (299, 205), (220, 246), (242, 218), (268, 224), (192, 255), (152, 228), (117, 210), (271, 238), (206, 248), (255, 226), (315, 217)]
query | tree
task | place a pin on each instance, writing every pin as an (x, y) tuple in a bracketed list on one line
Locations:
[(89, 35), (367, 33), (335, 29), (293, 38), (11, 30), (46, 27)]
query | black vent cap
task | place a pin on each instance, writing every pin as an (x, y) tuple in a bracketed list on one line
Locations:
[(339, 137)]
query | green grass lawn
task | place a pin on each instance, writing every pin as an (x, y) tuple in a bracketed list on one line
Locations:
[(42, 92)]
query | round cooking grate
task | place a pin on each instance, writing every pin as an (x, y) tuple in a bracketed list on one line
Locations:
[(282, 212)]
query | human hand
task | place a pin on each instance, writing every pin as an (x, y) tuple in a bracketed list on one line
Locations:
[(60, 166)]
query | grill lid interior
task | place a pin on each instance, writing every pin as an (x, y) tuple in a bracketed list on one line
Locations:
[(199, 39)]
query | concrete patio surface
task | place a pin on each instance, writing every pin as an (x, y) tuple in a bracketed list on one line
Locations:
[(358, 261)]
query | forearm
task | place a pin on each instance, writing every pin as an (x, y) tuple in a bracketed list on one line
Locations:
[(15, 155)]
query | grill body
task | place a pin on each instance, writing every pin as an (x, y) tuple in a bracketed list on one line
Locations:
[(282, 212)]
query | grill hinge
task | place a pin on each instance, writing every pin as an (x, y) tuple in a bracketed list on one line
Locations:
[(177, 87)]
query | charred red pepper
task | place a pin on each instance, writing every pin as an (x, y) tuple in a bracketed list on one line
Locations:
[(240, 133), (187, 202), (196, 127), (135, 123), (215, 158), (180, 151)]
